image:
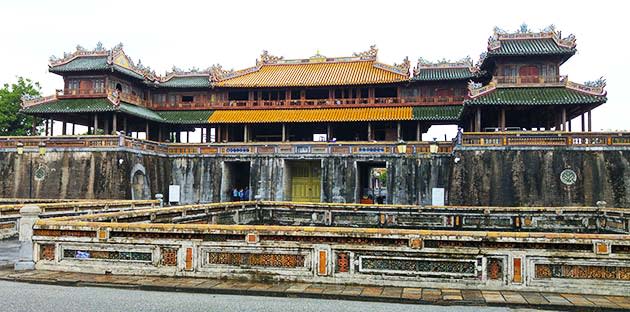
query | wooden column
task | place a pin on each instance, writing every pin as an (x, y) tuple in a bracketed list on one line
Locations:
[(245, 133), (398, 131), (329, 133), (52, 127), (218, 135), (227, 133), (46, 126), (159, 134), (284, 132), (502, 119), (418, 131), (146, 130), (187, 136), (64, 127), (371, 95), (478, 120), (369, 131), (583, 124), (34, 126), (563, 119), (569, 124), (589, 121), (125, 124), (114, 122), (209, 134), (106, 125)]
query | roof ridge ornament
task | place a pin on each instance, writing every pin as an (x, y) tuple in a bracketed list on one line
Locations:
[(266, 58), (369, 54), (494, 41), (465, 62)]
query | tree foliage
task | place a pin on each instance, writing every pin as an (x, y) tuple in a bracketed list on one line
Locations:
[(11, 121)]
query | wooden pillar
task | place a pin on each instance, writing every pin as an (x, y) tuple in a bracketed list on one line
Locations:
[(46, 126), (569, 121), (245, 133), (471, 126), (369, 131), (34, 126), (146, 130), (563, 120), (178, 136), (208, 134), (583, 124), (52, 127), (398, 131), (73, 133), (371, 95), (227, 133), (218, 135), (187, 136), (284, 132), (329, 133), (589, 121), (502, 119), (159, 134), (418, 131), (114, 122), (106, 125), (64, 127), (125, 124), (478, 120)]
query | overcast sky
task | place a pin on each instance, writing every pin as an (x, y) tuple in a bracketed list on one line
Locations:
[(233, 33)]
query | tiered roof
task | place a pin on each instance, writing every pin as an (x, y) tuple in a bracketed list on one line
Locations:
[(318, 70), (536, 96), (445, 70), (524, 42)]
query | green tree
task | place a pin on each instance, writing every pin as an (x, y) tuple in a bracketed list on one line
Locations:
[(11, 121)]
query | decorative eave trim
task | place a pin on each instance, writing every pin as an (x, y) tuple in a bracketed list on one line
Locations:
[(464, 63), (550, 32)]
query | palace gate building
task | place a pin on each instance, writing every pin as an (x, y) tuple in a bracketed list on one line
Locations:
[(321, 128)]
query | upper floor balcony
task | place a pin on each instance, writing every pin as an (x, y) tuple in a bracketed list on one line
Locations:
[(508, 81), (312, 103)]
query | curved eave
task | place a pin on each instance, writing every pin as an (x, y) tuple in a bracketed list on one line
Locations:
[(536, 96)]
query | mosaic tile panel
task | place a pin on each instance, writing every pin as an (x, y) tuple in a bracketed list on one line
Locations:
[(169, 256), (47, 252), (494, 269), (343, 262), (418, 265), (106, 255), (544, 271), (256, 259)]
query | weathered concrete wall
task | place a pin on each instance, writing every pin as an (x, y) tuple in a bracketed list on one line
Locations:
[(472, 176), (78, 174), (529, 177)]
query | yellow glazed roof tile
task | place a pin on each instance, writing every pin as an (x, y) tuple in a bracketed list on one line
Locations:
[(315, 74), (311, 115)]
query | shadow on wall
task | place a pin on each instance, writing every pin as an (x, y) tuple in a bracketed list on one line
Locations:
[(140, 188)]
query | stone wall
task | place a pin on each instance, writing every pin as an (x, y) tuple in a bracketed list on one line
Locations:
[(531, 177), (505, 176), (93, 174)]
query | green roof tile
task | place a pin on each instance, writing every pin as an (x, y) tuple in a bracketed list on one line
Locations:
[(437, 113), (127, 72), (186, 82), (71, 106), (443, 73), (139, 111), (544, 46), (535, 96), (186, 117), (82, 64)]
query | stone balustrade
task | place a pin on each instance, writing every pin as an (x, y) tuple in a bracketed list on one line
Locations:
[(249, 240)]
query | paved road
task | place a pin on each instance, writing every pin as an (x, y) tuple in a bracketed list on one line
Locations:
[(9, 251), (17, 297)]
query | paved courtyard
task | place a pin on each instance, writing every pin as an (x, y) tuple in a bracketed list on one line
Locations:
[(60, 298), (197, 294)]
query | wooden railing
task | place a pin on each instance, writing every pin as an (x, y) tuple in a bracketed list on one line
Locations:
[(546, 139), (554, 80), (81, 93), (112, 141), (82, 205)]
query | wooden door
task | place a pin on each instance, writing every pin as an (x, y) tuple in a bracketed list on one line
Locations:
[(305, 181), (528, 74)]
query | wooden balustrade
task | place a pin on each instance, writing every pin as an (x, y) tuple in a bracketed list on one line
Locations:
[(546, 139), (531, 80)]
